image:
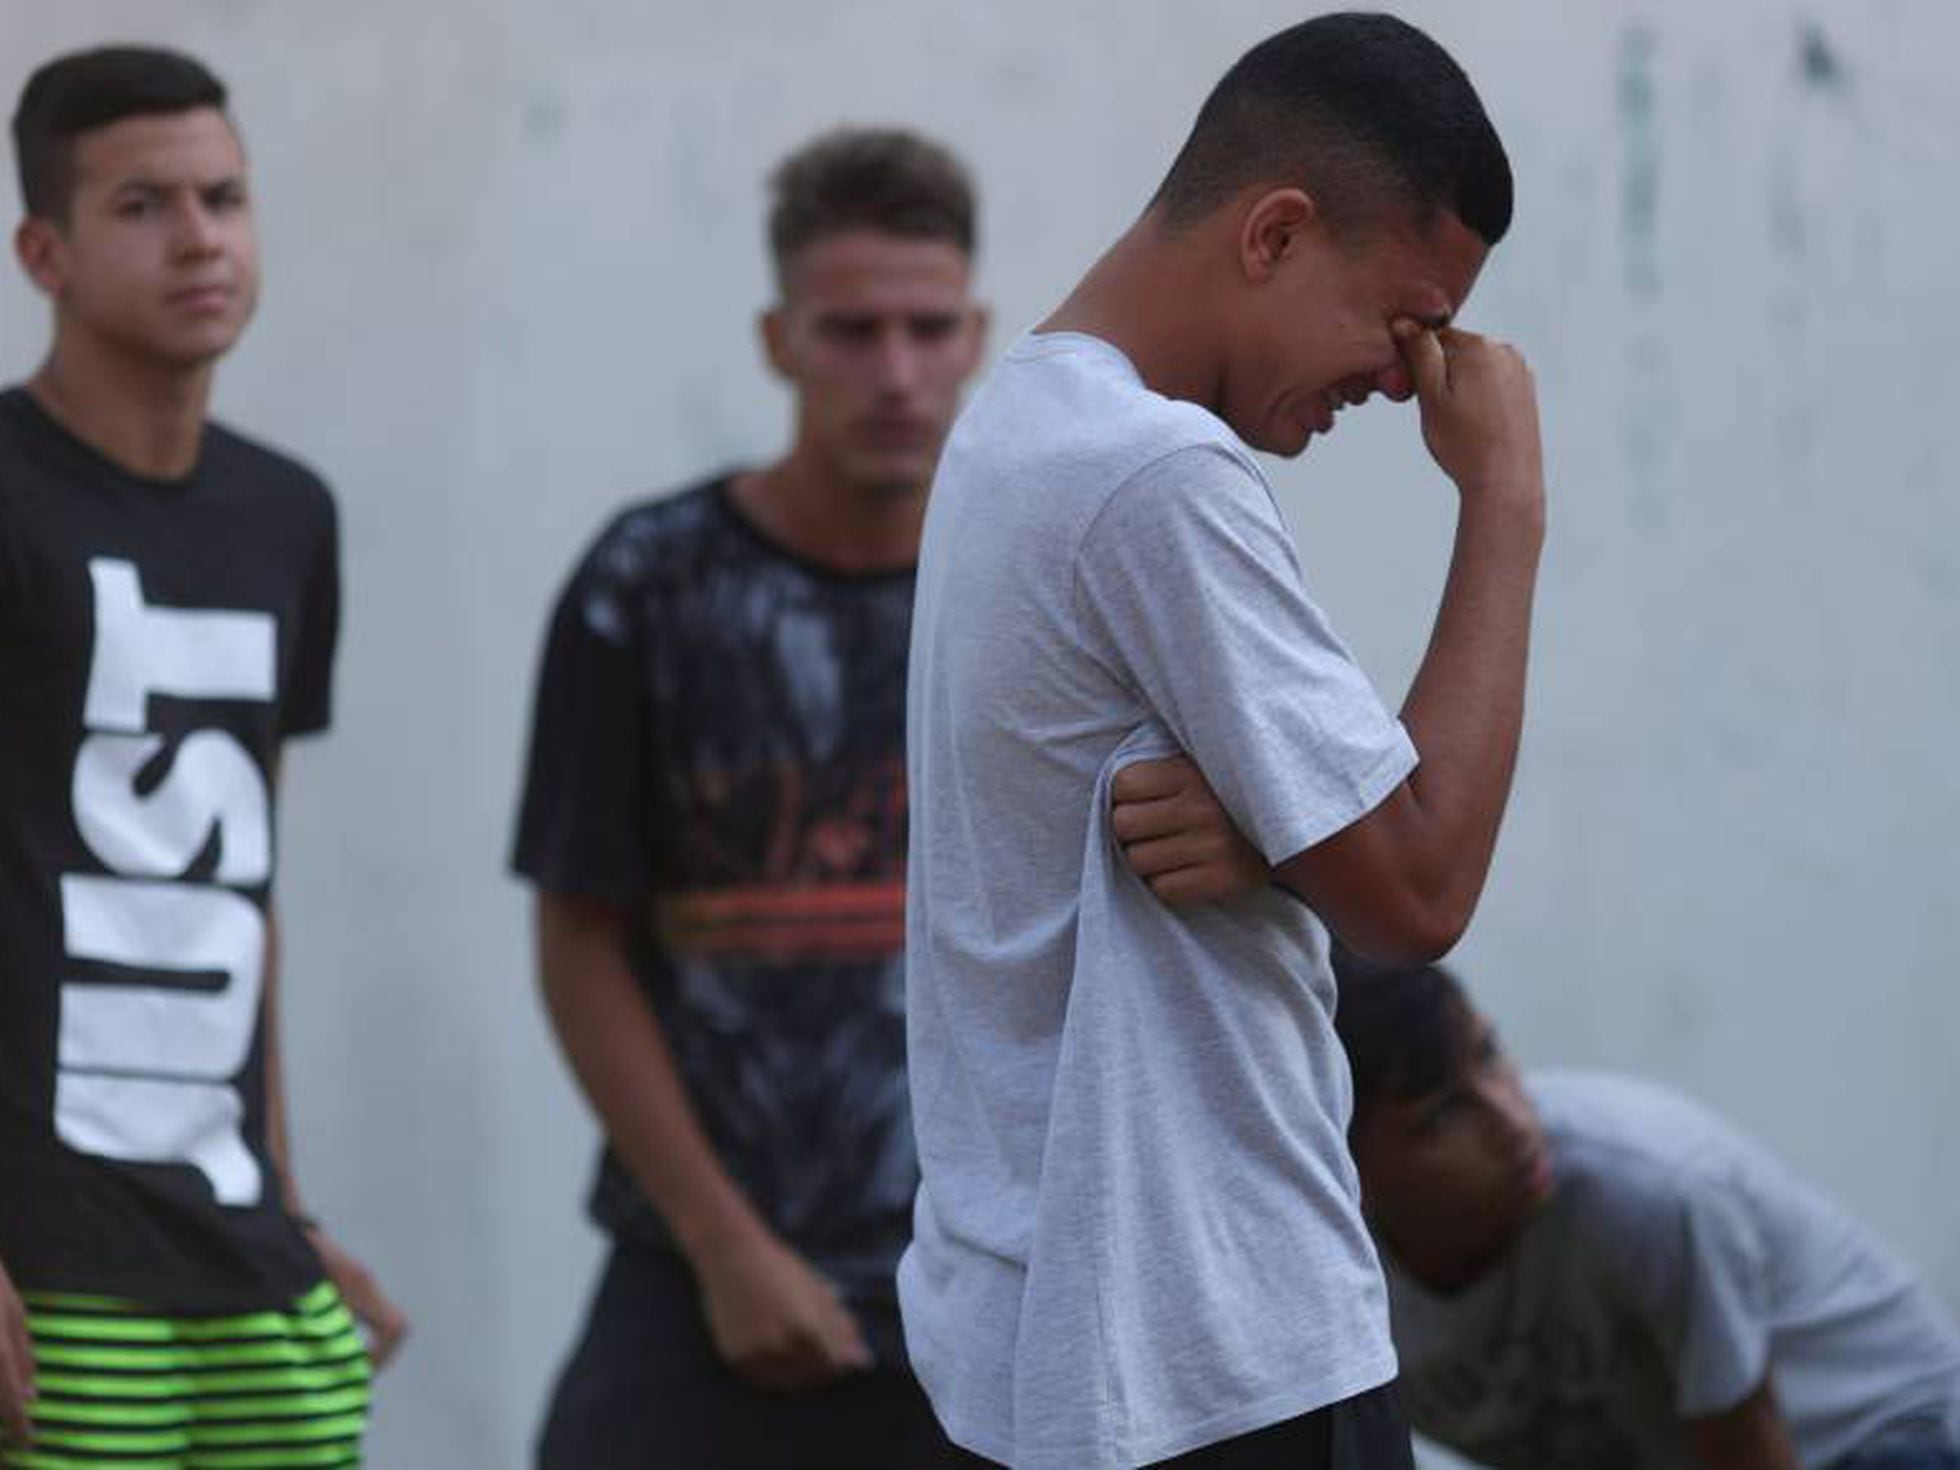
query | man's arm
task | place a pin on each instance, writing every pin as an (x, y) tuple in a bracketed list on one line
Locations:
[(1401, 883), (773, 1318), (16, 1366), (371, 1305), (1751, 1436)]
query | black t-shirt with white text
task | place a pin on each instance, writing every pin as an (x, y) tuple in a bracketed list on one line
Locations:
[(719, 746), (158, 641)]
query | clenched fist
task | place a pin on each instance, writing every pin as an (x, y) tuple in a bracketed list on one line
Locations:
[(1479, 412)]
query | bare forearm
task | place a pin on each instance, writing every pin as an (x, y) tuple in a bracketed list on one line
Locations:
[(617, 1049), (1402, 882), (772, 1317), (1465, 709)]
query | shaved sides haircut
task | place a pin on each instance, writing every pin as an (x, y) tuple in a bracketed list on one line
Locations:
[(1364, 112)]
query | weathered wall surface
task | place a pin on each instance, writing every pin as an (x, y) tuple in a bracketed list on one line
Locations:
[(514, 259)]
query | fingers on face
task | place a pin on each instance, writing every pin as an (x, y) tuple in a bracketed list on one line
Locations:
[(1424, 352), (1490, 359)]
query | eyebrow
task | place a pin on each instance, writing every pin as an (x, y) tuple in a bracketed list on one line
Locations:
[(148, 185), (867, 315)]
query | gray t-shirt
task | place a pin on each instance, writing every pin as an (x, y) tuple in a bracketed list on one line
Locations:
[(1138, 1231), (1674, 1266)]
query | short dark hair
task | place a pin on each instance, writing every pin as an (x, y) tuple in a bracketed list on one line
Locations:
[(85, 90), (1403, 1028), (1365, 112), (880, 179)]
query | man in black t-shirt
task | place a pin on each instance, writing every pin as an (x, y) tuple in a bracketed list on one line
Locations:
[(715, 821), (168, 613)]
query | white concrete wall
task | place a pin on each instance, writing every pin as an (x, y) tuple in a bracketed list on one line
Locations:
[(513, 261)]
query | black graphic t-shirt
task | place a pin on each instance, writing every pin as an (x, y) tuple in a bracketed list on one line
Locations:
[(719, 741), (158, 640)]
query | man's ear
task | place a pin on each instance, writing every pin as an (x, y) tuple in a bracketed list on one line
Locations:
[(39, 247), (1277, 226), (771, 327)]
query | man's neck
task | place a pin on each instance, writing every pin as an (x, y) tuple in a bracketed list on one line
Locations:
[(1145, 297), (805, 506), (1446, 1266), (145, 418)]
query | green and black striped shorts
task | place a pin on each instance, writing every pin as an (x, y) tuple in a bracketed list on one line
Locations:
[(122, 1387)]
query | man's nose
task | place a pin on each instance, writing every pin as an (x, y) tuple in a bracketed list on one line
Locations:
[(898, 363), (1509, 1113), (197, 228)]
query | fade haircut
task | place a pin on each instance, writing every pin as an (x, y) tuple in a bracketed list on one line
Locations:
[(882, 179), (85, 90), (1403, 1028), (1365, 112)]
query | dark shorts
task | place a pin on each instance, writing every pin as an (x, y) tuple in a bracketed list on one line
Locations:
[(1931, 1452), (1366, 1432), (644, 1387)]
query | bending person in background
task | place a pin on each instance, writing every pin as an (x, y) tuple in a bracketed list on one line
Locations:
[(1589, 1272), (168, 614), (714, 819)]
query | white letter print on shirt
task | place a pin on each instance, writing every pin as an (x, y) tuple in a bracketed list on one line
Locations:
[(146, 1072)]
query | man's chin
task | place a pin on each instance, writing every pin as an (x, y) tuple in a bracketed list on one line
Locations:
[(192, 351), (199, 344), (893, 477), (1290, 445)]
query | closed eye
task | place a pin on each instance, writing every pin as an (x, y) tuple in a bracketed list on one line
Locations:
[(137, 201)]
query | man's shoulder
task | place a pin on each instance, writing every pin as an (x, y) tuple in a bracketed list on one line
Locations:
[(654, 531), (15, 417), (263, 469), (1074, 407), (688, 509), (29, 448), (1632, 1154)]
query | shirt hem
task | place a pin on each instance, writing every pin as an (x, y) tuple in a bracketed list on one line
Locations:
[(1370, 791)]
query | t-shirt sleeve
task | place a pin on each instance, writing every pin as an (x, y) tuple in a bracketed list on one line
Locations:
[(307, 707), (1698, 1271), (580, 819), (1188, 588)]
